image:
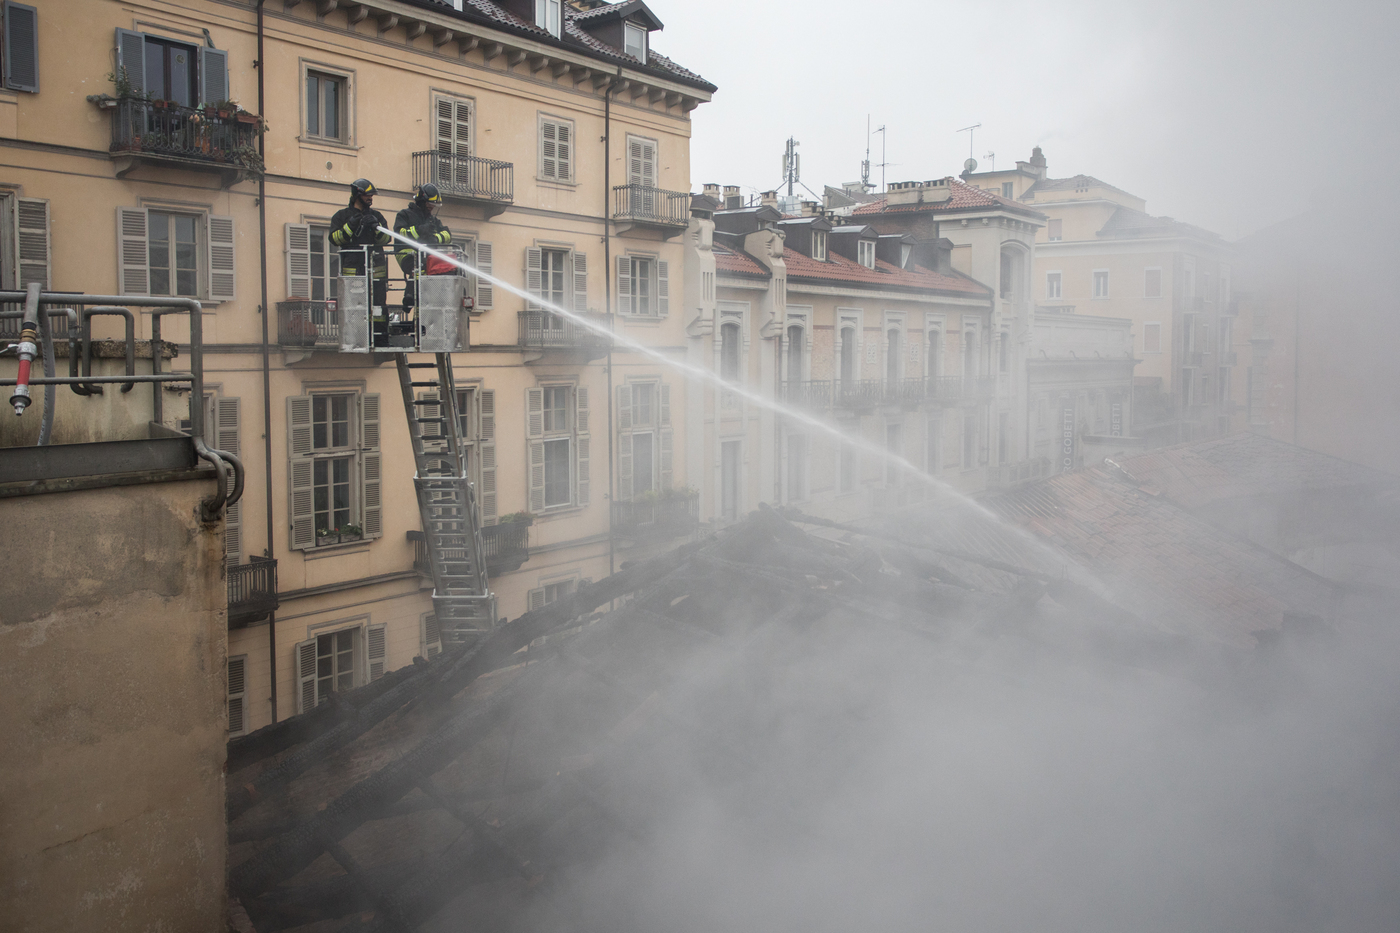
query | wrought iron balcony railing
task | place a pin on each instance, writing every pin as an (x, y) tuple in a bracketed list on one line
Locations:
[(545, 330), (643, 204), (309, 324), (252, 591), (465, 177), (663, 516), (193, 136)]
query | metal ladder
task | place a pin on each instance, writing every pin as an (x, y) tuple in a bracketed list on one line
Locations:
[(462, 602)]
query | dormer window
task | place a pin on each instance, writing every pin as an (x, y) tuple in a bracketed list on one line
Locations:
[(865, 253), (547, 16), (819, 245), (635, 39)]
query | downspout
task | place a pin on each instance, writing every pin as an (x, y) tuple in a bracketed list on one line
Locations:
[(607, 305), (266, 367)]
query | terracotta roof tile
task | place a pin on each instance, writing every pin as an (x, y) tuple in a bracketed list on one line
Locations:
[(737, 261), (839, 268)]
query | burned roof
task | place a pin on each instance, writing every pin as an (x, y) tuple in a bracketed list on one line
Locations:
[(1126, 222), (841, 269), (964, 197)]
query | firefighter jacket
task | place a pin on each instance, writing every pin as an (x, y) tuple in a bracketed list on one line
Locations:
[(416, 223), (353, 228)]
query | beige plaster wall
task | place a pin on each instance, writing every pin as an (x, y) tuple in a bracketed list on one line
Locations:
[(112, 718)]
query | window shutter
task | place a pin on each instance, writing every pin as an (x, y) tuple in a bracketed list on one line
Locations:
[(534, 431), (634, 162), (371, 506), (131, 58), (221, 269), (663, 287), (377, 653), (485, 292), (580, 282), (296, 239), (534, 275), (624, 285), (305, 654), (35, 249), (133, 264), (537, 599), (487, 442), (666, 451), (213, 75), (665, 393), (300, 510), (564, 152), (226, 437), (237, 687), (21, 47), (581, 448), (432, 636), (624, 443), (549, 158)]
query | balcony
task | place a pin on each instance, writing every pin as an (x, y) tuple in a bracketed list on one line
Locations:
[(543, 332), (167, 135), (505, 547), (653, 208), (652, 517), (469, 179), (308, 325), (252, 591)]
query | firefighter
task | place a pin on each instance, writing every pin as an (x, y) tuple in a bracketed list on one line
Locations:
[(418, 221), (355, 227)]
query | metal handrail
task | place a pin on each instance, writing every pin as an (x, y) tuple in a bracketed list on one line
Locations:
[(541, 330), (163, 128), (651, 205), (465, 176)]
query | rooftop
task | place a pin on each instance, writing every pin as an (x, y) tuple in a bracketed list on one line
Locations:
[(838, 268), (963, 197)]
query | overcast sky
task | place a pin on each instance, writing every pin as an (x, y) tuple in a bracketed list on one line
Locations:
[(1231, 115)]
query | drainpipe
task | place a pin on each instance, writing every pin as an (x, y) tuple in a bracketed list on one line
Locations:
[(607, 303), (266, 366)]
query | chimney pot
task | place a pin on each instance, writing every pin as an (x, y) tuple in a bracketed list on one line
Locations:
[(733, 200), (712, 191), (769, 199)]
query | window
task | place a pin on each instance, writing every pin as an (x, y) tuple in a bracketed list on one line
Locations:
[(644, 439), (819, 245), (969, 441), (1189, 285), (846, 466), (325, 265), (1055, 230), (1188, 333), (1010, 272), (453, 130), (894, 444), (1004, 351), (934, 357), (174, 253), (325, 106), (547, 16), (158, 68), (556, 153), (796, 467), (1188, 395), (729, 352), (970, 353), (848, 354), (635, 41), (1152, 283), (237, 692), (1224, 385), (21, 47), (1100, 283), (1004, 437), (643, 286), (1152, 337), (730, 462), (1226, 335), (933, 445), (1205, 287), (558, 444), (1006, 189), (892, 347), (334, 461), (865, 253), (552, 592), (332, 662), (1052, 284)]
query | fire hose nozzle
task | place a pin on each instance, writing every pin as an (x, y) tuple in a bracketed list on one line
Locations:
[(28, 350)]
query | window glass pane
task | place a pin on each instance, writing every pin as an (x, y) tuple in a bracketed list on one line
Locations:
[(340, 421), (181, 75), (643, 464), (331, 92), (320, 430), (313, 105), (641, 404), (556, 472)]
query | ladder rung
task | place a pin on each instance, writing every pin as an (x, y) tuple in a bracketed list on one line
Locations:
[(434, 384), (431, 420), (422, 365)]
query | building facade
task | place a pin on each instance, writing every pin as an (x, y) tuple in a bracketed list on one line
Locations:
[(556, 136)]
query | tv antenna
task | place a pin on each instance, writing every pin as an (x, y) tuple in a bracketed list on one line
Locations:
[(992, 158), (884, 138), (970, 165), (865, 166), (792, 165)]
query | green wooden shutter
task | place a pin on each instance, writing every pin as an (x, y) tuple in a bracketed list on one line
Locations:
[(133, 262), (624, 443), (486, 443), (534, 433), (624, 285), (534, 276), (222, 274), (226, 437), (485, 291), (580, 282), (296, 241), (304, 655), (213, 75), (237, 688), (376, 651), (21, 47), (371, 463), (300, 507), (32, 237), (581, 446), (131, 58), (663, 288)]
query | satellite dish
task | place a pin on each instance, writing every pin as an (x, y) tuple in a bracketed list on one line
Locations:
[(970, 165)]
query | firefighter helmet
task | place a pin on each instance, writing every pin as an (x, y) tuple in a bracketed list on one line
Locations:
[(361, 187), (429, 194)]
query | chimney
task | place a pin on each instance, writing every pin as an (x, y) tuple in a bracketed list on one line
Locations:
[(809, 209), (1038, 162), (712, 191), (733, 200), (918, 192), (769, 199)]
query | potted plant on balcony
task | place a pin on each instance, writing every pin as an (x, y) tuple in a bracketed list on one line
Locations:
[(351, 532), (517, 518), (325, 536)]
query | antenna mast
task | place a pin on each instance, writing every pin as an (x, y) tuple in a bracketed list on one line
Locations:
[(884, 137), (865, 166), (792, 165)]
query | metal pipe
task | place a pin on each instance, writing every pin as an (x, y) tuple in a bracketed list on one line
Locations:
[(607, 302), (86, 316), (266, 368), (103, 380), (157, 400)]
